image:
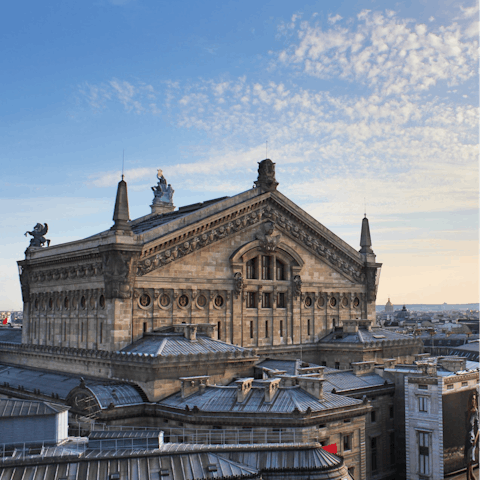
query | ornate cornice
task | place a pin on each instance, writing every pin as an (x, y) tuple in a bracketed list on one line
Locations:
[(281, 218)]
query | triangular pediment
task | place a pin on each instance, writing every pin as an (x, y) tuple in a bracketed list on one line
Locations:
[(245, 212)]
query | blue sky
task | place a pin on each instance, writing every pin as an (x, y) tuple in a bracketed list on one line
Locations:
[(360, 101)]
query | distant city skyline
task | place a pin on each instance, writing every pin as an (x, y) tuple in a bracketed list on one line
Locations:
[(364, 105)]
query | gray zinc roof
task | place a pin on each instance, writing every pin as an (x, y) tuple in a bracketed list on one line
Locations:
[(44, 381), (290, 366), (364, 336), (347, 380), (286, 400), (143, 224), (10, 335), (26, 408), (176, 344), (116, 394), (185, 466)]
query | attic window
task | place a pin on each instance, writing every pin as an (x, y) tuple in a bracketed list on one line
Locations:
[(378, 336), (212, 467)]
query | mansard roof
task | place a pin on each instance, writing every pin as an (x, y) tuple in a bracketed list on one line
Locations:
[(164, 344), (287, 400)]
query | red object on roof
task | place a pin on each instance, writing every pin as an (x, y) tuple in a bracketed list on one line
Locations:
[(5, 321), (332, 448)]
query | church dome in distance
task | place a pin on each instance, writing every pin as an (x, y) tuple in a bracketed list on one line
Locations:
[(389, 306)]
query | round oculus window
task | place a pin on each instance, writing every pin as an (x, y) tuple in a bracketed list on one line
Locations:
[(333, 302)]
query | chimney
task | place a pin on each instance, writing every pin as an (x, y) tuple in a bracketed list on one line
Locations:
[(311, 371), (453, 363), (191, 385), (121, 216), (271, 388), (312, 385), (363, 368), (389, 362), (191, 332), (244, 385), (350, 326), (426, 367)]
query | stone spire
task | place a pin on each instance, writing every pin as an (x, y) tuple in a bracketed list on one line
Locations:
[(266, 175), (121, 216), (365, 239)]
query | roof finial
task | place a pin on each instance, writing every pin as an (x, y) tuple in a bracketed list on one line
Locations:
[(365, 207), (121, 215), (123, 164), (365, 239), (266, 148)]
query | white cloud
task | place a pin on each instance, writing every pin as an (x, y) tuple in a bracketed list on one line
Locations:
[(387, 53)]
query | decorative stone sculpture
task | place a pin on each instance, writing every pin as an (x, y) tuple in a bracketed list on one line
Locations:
[(297, 285), (163, 193), (38, 233), (269, 240), (266, 175), (238, 284)]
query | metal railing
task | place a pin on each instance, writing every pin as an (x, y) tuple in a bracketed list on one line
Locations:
[(78, 447)]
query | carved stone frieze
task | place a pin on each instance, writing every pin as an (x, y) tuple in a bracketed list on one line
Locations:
[(62, 273), (119, 273), (282, 221)]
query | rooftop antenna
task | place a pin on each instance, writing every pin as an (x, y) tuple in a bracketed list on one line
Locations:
[(123, 163)]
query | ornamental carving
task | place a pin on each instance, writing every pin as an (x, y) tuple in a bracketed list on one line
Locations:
[(62, 273), (281, 222), (297, 286), (118, 268), (268, 239), (238, 277)]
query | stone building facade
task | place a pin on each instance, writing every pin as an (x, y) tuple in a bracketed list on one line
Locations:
[(258, 268)]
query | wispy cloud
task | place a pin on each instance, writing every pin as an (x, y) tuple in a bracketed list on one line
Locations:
[(408, 152), (392, 55)]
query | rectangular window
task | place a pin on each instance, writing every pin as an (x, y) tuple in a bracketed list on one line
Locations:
[(373, 416), (144, 327), (280, 270), (251, 329), (423, 404), (266, 328), (308, 327), (450, 386), (251, 268), (266, 300), (281, 328), (424, 452), (347, 443), (65, 331), (266, 273), (392, 414), (464, 384), (280, 300), (101, 332), (423, 387), (81, 332), (251, 303), (337, 365), (373, 454), (324, 364), (219, 330)]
